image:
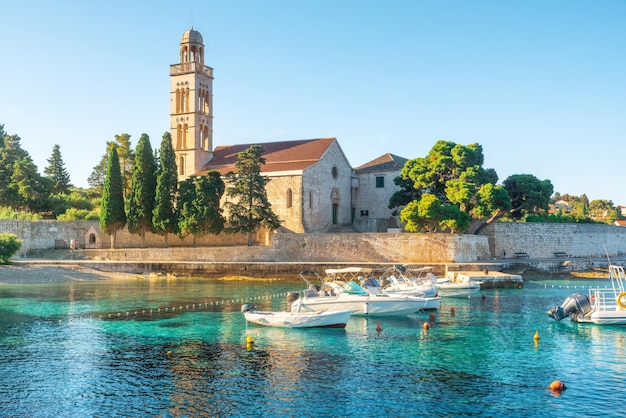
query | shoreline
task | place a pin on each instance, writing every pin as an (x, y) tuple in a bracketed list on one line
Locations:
[(42, 272)]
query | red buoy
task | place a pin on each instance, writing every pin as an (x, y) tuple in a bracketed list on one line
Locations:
[(432, 316), (378, 327), (452, 311)]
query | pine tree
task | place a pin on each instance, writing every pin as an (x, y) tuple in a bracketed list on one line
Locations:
[(252, 209), (56, 172), (165, 219), (112, 214), (142, 190)]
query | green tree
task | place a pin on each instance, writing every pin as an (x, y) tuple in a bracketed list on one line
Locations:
[(528, 194), (199, 204), (56, 172), (428, 214), (9, 246), (165, 215), (251, 209), (143, 190), (127, 160), (11, 152), (112, 214), (455, 175)]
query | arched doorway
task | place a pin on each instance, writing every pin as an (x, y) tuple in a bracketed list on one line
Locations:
[(335, 200)]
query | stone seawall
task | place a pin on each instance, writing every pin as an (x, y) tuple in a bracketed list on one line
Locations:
[(541, 240), (304, 248)]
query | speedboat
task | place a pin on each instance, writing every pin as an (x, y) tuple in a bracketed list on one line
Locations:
[(602, 306), (336, 292), (457, 287), (393, 282), (297, 318)]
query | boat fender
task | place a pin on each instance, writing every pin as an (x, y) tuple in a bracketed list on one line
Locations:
[(621, 300)]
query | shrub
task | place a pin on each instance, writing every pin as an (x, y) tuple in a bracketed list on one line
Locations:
[(9, 245)]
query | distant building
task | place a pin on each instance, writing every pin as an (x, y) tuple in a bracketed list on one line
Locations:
[(373, 190), (312, 187)]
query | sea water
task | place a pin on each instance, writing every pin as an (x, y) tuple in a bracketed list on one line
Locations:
[(177, 347)]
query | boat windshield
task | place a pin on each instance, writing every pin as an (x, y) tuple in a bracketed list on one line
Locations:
[(353, 288)]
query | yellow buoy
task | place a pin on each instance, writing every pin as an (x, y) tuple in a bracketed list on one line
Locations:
[(536, 337), (249, 340)]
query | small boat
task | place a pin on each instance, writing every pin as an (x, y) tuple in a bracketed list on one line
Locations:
[(603, 306), (457, 287), (393, 282), (297, 318), (338, 290)]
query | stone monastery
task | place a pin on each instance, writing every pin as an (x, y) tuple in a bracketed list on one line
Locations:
[(312, 186)]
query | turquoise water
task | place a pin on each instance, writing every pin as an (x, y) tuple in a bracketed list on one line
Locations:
[(96, 349)]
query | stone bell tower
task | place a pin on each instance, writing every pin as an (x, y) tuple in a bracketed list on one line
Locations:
[(191, 106)]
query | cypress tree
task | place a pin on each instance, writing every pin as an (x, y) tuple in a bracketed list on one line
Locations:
[(165, 219), (142, 190), (112, 214)]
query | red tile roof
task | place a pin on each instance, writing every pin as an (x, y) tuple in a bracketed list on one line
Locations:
[(385, 162), (279, 156)]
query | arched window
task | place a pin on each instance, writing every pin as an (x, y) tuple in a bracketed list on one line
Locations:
[(179, 137), (181, 166), (289, 198), (184, 141)]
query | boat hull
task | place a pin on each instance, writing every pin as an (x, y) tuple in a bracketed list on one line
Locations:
[(329, 319), (617, 317), (373, 305)]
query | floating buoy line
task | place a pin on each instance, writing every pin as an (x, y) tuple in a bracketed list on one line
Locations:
[(148, 313)]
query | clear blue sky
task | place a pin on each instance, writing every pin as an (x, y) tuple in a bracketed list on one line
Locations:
[(541, 85)]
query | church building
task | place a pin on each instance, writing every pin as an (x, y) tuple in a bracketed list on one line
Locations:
[(312, 188)]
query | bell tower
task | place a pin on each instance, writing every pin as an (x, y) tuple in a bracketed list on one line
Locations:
[(191, 106)]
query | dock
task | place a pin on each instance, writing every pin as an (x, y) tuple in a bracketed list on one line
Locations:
[(490, 279)]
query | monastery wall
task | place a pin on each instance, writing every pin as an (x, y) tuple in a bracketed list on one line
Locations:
[(543, 240), (535, 239)]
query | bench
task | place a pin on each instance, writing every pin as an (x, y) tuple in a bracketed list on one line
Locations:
[(521, 255), (560, 254)]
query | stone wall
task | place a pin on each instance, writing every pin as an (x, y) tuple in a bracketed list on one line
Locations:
[(316, 248), (537, 240), (541, 240), (43, 235)]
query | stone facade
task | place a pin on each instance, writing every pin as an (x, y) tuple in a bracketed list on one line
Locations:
[(326, 191), (374, 188)]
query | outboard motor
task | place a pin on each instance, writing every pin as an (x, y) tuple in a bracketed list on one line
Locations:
[(577, 303), (245, 308)]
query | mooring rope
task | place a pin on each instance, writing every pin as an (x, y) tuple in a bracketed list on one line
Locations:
[(146, 313)]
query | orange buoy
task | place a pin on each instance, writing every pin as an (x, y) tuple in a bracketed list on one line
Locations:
[(426, 326), (557, 386), (378, 327)]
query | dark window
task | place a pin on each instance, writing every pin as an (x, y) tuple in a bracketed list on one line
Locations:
[(380, 182), (335, 172)]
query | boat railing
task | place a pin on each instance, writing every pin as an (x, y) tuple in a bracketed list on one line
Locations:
[(603, 299)]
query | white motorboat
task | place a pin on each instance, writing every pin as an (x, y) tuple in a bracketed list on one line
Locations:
[(457, 287), (297, 318), (393, 282), (337, 292), (603, 306)]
